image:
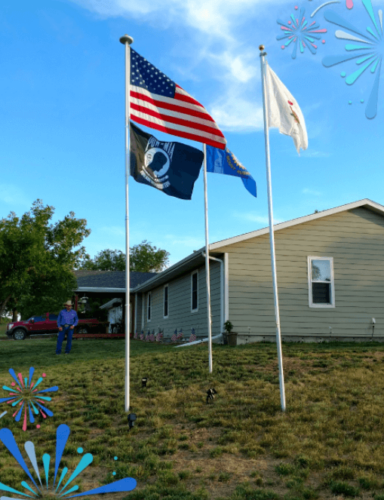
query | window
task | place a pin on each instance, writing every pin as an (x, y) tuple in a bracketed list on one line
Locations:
[(195, 292), (165, 297), (149, 300), (321, 282)]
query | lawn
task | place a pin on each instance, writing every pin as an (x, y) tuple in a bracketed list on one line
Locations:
[(329, 443)]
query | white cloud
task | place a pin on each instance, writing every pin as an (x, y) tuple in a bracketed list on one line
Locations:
[(13, 195), (235, 113), (315, 154), (311, 192), (213, 25), (189, 242), (213, 17), (252, 217)]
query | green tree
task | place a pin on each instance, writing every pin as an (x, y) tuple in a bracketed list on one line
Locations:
[(147, 258), (37, 258), (143, 257), (106, 260)]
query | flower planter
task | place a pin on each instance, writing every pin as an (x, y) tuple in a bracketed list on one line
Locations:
[(232, 339)]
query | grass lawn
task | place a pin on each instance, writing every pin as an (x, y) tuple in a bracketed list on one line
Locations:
[(328, 444)]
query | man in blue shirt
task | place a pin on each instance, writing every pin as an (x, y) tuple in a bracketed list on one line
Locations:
[(66, 322)]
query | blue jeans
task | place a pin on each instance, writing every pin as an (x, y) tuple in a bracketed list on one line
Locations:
[(60, 339)]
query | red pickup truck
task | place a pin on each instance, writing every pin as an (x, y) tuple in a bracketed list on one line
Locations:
[(46, 324)]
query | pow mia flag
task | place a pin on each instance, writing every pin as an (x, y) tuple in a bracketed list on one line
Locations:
[(171, 167)]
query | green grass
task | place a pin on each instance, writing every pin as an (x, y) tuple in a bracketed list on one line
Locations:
[(241, 447)]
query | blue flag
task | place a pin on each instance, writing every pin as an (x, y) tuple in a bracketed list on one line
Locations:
[(222, 161)]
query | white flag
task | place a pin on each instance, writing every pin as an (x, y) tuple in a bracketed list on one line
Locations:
[(283, 110)]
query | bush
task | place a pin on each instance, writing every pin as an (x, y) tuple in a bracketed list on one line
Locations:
[(368, 483), (339, 488), (224, 477), (216, 452), (343, 473), (285, 469)]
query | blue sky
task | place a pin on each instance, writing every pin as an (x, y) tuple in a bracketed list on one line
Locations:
[(62, 114)]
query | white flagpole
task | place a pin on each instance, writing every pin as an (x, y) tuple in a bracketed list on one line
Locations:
[(271, 232), (127, 40), (207, 273)]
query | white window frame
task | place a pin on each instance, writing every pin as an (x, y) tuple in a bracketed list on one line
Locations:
[(149, 306), (197, 308), (164, 287), (332, 283)]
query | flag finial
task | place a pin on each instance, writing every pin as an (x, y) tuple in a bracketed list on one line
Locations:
[(261, 47), (126, 38)]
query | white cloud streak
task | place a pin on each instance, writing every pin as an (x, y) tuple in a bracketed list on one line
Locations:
[(213, 25), (252, 217), (311, 192), (13, 195)]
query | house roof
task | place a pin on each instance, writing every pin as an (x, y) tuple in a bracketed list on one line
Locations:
[(371, 205), (113, 280), (195, 259)]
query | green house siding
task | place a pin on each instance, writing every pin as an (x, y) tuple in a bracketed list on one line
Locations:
[(180, 315), (355, 241)]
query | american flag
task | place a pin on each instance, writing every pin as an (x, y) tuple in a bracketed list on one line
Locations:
[(158, 102), (135, 336), (142, 335), (179, 336), (159, 337), (192, 338), (174, 338)]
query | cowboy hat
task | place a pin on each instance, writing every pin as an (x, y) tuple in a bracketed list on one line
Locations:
[(68, 303)]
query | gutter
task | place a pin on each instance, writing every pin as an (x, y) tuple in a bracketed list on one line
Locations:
[(100, 289), (163, 274)]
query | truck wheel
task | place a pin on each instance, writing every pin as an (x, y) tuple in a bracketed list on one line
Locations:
[(82, 329), (19, 334)]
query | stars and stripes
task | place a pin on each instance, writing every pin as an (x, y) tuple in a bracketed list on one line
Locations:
[(159, 337), (158, 102), (192, 338), (179, 336)]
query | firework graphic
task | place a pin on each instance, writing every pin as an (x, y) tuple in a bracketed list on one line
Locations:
[(56, 485), (299, 32), (366, 48), (25, 395)]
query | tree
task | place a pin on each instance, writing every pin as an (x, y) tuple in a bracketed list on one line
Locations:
[(37, 258), (147, 258), (106, 260), (143, 257)]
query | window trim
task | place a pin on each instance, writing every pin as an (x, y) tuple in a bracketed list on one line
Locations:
[(149, 306), (332, 283), (164, 287), (197, 290)]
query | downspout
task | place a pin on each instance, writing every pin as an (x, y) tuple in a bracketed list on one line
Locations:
[(135, 326), (222, 308)]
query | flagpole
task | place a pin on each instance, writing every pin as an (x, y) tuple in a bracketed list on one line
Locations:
[(207, 272), (127, 40), (271, 232)]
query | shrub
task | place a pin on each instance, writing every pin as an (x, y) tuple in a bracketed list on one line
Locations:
[(343, 473), (339, 488), (368, 483), (184, 474), (216, 452), (285, 469), (224, 477)]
